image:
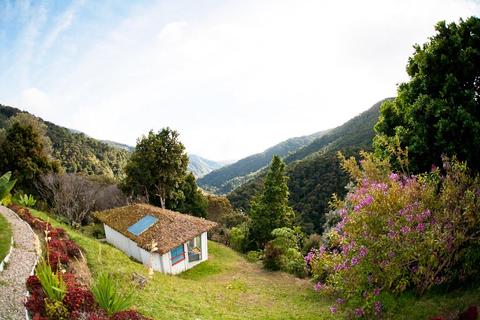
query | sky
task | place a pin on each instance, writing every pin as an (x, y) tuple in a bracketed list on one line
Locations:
[(233, 77)]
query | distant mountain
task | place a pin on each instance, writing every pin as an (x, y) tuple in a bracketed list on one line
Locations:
[(77, 152), (227, 178), (119, 145), (314, 171), (200, 166)]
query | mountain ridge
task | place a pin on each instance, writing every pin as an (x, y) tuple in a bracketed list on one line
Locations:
[(80, 153), (314, 170), (229, 177)]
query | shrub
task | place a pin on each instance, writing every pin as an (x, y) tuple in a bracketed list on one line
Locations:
[(79, 299), (33, 284), (284, 251), (55, 310), (238, 237), (128, 315), (107, 296), (272, 257), (26, 200), (254, 256), (35, 303), (313, 241), (434, 217)]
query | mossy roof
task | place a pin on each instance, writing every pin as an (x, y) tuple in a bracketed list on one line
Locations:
[(170, 230)]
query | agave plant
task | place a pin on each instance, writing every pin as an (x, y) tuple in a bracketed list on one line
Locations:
[(107, 296), (6, 185)]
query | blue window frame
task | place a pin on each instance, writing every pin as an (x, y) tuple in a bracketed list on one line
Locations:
[(141, 225), (178, 254)]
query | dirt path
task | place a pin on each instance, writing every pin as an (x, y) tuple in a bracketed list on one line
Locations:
[(22, 260)]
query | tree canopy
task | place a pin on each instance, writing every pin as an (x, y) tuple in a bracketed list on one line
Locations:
[(193, 202), (157, 168), (437, 112), (25, 150)]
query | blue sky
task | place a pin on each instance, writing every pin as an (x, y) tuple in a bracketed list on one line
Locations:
[(233, 77)]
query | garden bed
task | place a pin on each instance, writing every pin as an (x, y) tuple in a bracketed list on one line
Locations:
[(70, 277)]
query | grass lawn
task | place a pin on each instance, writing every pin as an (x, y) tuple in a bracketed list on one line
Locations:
[(5, 237), (228, 287), (224, 287)]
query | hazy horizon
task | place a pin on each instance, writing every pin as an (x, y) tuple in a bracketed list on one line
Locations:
[(234, 78)]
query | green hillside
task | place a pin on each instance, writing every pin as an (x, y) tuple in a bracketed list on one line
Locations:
[(226, 286), (227, 178), (314, 172), (77, 152)]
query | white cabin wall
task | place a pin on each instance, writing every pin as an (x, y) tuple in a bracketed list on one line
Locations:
[(204, 246), (123, 243), (161, 263)]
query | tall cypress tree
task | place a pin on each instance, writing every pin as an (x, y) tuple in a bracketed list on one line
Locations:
[(270, 209)]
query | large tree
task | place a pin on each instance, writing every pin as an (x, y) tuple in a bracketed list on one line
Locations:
[(26, 150), (157, 168), (438, 111), (194, 202), (270, 209)]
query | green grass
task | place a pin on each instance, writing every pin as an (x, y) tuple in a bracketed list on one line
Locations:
[(227, 286), (5, 237), (224, 287)]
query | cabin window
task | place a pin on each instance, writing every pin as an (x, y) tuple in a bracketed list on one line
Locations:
[(177, 254)]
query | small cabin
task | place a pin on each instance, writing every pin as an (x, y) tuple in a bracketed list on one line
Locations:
[(168, 241)]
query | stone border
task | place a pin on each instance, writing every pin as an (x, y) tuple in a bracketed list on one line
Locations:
[(27, 294), (37, 256), (7, 257)]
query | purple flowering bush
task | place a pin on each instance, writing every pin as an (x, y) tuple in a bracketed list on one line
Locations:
[(397, 232)]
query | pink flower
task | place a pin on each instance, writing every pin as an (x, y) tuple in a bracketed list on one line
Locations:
[(308, 258), (420, 227), (333, 309), (377, 305), (393, 176), (319, 286), (362, 252), (354, 261), (359, 312), (392, 234), (376, 291), (405, 229), (340, 301), (365, 202), (322, 249)]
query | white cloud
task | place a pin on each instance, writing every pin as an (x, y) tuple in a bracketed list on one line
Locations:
[(241, 76), (36, 100), (172, 31)]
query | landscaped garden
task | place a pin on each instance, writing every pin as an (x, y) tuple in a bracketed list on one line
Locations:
[(226, 286), (229, 287)]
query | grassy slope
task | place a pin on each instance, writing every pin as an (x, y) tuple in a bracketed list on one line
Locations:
[(5, 237), (229, 287), (224, 287)]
